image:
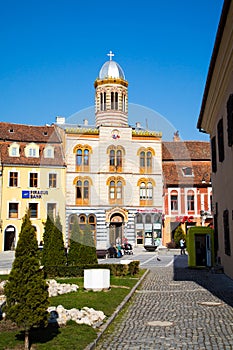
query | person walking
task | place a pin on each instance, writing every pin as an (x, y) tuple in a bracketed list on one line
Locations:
[(182, 246)]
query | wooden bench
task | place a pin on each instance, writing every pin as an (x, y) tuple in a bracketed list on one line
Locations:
[(102, 253)]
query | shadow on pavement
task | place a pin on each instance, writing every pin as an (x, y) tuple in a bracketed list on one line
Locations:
[(216, 283)]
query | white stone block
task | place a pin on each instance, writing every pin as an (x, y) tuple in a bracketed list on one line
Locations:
[(97, 279)]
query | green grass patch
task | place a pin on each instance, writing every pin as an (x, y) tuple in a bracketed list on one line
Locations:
[(72, 336)]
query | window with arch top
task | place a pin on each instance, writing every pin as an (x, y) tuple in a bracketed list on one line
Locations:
[(82, 160), (116, 154), (114, 100), (115, 185), (82, 190), (146, 191), (146, 160)]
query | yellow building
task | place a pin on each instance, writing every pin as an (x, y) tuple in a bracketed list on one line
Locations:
[(32, 176)]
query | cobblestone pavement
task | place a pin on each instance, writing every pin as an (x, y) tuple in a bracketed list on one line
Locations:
[(176, 308)]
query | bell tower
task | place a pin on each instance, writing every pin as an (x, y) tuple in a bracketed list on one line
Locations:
[(111, 96)]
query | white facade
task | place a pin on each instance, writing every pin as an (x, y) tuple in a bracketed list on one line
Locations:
[(114, 171)]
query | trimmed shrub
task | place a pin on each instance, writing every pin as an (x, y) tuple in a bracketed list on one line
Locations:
[(179, 234), (78, 270)]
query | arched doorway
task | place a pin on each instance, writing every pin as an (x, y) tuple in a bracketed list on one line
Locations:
[(116, 229), (9, 241)]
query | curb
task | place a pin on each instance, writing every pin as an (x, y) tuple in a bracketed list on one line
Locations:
[(116, 312)]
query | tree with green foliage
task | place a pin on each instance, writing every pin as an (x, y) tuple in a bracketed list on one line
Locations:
[(75, 244), (48, 228), (26, 290), (179, 234), (53, 253), (87, 254), (56, 250)]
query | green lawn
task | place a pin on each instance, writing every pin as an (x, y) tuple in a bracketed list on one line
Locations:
[(73, 336)]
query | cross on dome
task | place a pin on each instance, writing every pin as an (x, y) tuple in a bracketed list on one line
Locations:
[(110, 54)]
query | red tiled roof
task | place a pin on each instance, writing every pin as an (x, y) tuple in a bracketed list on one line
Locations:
[(24, 134), (174, 175), (28, 133), (187, 150)]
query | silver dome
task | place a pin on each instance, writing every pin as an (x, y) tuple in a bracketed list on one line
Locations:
[(111, 69)]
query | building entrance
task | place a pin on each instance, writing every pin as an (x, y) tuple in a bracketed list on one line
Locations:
[(9, 242), (116, 229)]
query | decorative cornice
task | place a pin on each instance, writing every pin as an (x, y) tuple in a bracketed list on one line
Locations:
[(110, 81), (146, 133), (86, 131)]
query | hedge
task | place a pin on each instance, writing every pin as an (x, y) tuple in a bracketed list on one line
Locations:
[(131, 269)]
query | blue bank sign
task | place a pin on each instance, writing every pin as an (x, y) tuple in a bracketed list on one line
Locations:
[(33, 194)]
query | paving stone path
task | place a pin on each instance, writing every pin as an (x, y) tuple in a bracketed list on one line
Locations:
[(176, 308)]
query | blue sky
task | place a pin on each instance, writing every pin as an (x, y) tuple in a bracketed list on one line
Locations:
[(52, 51)]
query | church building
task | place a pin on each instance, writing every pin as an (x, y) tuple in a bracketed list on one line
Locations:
[(114, 170)]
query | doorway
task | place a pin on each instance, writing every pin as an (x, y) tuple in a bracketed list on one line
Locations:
[(9, 242), (116, 229), (200, 250)]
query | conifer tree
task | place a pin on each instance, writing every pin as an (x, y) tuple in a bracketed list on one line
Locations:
[(87, 253), (48, 228), (75, 244), (26, 290), (56, 252), (178, 235)]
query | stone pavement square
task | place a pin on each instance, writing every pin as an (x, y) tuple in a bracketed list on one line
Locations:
[(176, 308)]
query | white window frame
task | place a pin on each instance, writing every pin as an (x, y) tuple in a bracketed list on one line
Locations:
[(14, 146), (49, 152), (195, 199), (53, 173), (170, 190)]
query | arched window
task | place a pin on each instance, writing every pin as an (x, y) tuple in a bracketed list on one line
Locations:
[(112, 158), (82, 192), (148, 219), (119, 190), (115, 190), (149, 160), (82, 154), (92, 223), (79, 157), (149, 191), (123, 103), (139, 219), (115, 158), (103, 101), (114, 100), (82, 221), (82, 158), (86, 157), (142, 160), (146, 160), (119, 158), (112, 190), (71, 221), (143, 191), (146, 191)]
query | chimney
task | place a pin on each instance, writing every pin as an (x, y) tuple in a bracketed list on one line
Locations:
[(60, 120), (176, 136)]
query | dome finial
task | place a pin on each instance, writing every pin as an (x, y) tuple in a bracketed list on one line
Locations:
[(110, 54)]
